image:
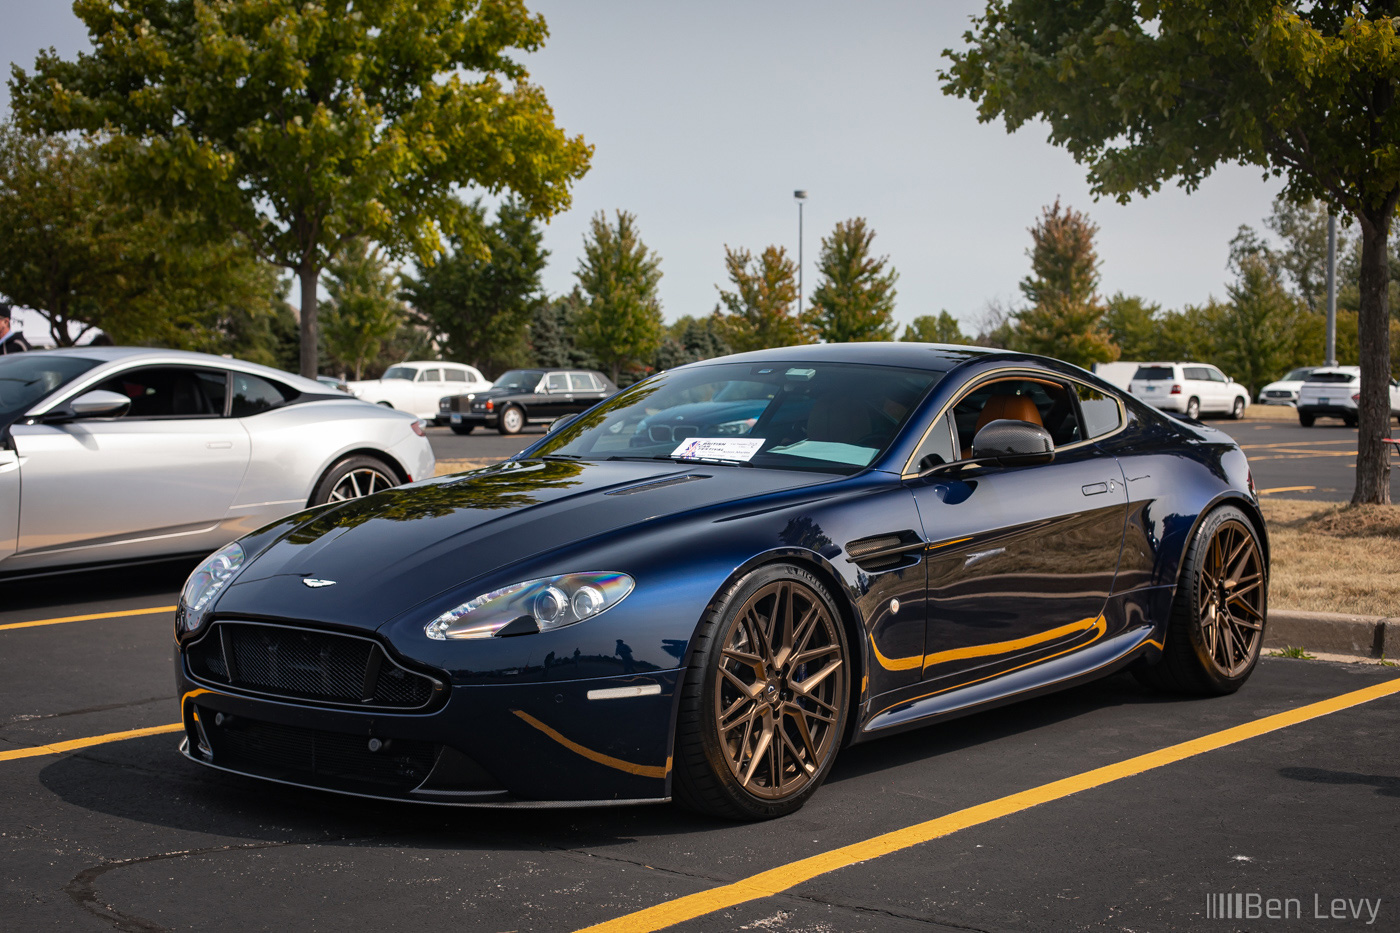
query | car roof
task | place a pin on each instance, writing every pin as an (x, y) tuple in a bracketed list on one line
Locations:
[(434, 363), (1344, 370), (933, 356), (156, 355)]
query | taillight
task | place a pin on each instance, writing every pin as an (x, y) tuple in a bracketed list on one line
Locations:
[(1356, 398), (1176, 390), (418, 429)]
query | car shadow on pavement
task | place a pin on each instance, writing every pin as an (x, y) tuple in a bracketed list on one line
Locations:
[(100, 587)]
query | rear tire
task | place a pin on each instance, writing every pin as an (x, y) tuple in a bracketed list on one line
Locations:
[(1216, 630), (1193, 409), (354, 478), (1306, 420), (463, 428), (764, 701)]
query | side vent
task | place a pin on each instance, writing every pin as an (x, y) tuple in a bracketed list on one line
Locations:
[(657, 484), (886, 552)]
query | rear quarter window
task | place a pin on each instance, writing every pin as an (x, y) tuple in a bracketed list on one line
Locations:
[(253, 395)]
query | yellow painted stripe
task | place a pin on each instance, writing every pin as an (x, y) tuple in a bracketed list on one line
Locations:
[(981, 651), (58, 748), (651, 771), (88, 618), (776, 880), (1266, 492)]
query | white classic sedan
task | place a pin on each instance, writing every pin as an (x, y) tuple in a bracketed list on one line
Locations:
[(123, 454), (417, 385)]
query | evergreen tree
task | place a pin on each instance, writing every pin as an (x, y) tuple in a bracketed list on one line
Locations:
[(478, 299), (1065, 319), (940, 328), (620, 322), (553, 332), (855, 298), (1132, 325), (689, 340), (1257, 340), (365, 310), (759, 313)]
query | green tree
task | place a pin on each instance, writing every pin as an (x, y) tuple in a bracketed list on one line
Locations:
[(1143, 93), (1065, 319), (554, 331), (621, 321), (759, 313), (940, 328), (479, 303), (1132, 325), (689, 340), (1257, 340), (303, 126), (365, 310), (854, 300), (76, 250)]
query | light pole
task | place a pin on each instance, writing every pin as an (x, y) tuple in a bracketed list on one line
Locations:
[(800, 196)]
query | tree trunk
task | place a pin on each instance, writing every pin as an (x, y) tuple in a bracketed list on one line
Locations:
[(310, 333), (1373, 333)]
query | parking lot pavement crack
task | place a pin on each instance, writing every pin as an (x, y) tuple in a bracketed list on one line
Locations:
[(82, 890), (37, 717)]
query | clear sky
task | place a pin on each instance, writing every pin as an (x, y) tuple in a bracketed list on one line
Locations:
[(706, 117)]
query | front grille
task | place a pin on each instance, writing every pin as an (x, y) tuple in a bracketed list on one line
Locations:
[(305, 664), (1279, 393), (314, 756)]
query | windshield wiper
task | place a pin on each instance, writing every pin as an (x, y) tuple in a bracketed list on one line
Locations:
[(742, 463)]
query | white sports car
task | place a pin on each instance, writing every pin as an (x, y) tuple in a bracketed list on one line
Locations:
[(124, 454)]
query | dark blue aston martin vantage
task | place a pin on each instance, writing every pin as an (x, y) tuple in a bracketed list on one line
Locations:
[(658, 600)]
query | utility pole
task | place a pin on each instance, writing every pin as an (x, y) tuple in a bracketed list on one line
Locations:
[(801, 196), (1331, 289)]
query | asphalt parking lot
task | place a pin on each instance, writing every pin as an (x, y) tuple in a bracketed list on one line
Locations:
[(1103, 808)]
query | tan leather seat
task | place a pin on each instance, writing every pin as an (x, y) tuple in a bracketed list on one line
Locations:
[(1008, 407)]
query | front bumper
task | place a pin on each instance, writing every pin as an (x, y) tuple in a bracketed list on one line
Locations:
[(555, 743)]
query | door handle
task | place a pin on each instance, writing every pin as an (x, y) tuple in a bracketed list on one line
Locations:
[(1093, 489), (219, 445)]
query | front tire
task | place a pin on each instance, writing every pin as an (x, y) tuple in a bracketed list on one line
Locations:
[(353, 478), (1216, 629), (1237, 412), (764, 702), (511, 421)]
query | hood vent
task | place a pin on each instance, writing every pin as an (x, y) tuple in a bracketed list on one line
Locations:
[(658, 484)]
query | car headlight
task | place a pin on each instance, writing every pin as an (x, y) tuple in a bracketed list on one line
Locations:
[(741, 426), (204, 584), (533, 606)]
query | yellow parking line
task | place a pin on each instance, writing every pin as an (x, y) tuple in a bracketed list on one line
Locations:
[(89, 618), (1266, 492), (1340, 440), (58, 748), (776, 880)]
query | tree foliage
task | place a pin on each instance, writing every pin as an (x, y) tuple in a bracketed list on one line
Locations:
[(759, 312), (939, 328), (689, 340), (365, 310), (1147, 92), (79, 252), (479, 303), (554, 333), (620, 323), (1131, 324), (303, 126), (854, 300), (1065, 319)]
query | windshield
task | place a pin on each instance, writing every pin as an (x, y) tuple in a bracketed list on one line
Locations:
[(401, 372), (519, 379), (798, 416), (1154, 372), (25, 378)]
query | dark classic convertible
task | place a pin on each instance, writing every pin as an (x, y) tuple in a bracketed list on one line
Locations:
[(887, 535)]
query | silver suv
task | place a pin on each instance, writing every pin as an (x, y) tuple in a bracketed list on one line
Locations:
[(1189, 388)]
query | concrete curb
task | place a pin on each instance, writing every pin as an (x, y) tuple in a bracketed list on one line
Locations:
[(1334, 632)]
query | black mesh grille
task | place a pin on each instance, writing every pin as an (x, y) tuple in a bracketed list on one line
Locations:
[(306, 664), (314, 756)]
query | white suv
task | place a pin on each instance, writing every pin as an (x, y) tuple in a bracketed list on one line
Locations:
[(1333, 393), (1189, 388)]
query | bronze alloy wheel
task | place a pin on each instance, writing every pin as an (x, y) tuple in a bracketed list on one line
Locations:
[(1230, 598), (780, 682)]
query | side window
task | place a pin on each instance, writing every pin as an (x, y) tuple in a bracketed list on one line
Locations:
[(1198, 373), (455, 375), (1101, 412), (253, 395), (558, 382), (937, 446), (170, 392), (430, 375), (581, 382), (1035, 401), (1216, 375)]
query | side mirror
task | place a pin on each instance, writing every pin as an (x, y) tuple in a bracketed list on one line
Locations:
[(559, 423), (1013, 443), (99, 403)]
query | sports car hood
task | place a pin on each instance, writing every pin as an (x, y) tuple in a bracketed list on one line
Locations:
[(389, 552)]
